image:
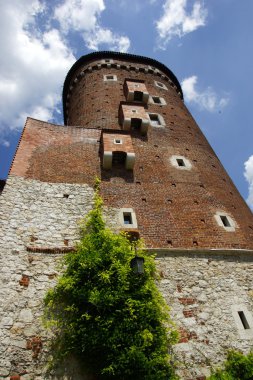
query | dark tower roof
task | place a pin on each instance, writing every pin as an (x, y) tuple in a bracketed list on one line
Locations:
[(110, 54)]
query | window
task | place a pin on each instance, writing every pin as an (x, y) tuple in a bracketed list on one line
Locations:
[(117, 141), (224, 220), (243, 320), (154, 119), (127, 218), (180, 162), (110, 78), (156, 99), (161, 85)]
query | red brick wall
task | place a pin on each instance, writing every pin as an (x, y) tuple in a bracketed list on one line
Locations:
[(174, 208)]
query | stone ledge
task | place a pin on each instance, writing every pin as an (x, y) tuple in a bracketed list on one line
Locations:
[(239, 253), (50, 249)]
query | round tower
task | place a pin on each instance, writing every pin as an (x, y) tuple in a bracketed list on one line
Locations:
[(126, 123), (156, 166)]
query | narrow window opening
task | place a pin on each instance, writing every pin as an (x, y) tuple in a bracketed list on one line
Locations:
[(154, 119), (117, 141), (225, 221), (107, 60), (127, 218), (65, 195), (156, 99), (136, 124), (109, 77), (134, 111), (138, 96), (243, 320), (180, 162)]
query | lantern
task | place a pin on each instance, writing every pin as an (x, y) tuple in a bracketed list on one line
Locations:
[(137, 264)]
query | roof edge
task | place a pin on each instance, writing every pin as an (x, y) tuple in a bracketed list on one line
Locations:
[(111, 54)]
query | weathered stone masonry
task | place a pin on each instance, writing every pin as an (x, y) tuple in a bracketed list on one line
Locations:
[(156, 166)]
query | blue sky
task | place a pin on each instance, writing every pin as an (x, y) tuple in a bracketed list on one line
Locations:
[(206, 43)]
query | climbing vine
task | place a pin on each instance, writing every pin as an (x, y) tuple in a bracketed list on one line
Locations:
[(113, 320)]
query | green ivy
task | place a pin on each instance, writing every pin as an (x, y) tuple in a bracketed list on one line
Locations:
[(114, 321), (236, 367)]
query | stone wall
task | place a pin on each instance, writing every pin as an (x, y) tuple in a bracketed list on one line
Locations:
[(39, 222), (205, 292)]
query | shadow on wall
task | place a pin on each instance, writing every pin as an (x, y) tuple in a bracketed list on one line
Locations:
[(70, 369)]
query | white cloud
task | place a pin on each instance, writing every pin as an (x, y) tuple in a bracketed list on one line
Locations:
[(105, 36), (83, 16), (206, 99), (248, 174), (33, 64), (5, 143), (177, 21), (80, 15)]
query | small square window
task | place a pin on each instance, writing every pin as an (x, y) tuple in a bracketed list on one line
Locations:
[(225, 221), (127, 217), (161, 85), (134, 111), (156, 99), (110, 77), (154, 119), (117, 141), (180, 162)]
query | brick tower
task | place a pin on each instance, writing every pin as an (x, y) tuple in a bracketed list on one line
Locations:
[(126, 122)]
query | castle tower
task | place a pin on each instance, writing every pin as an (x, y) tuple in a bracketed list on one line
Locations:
[(126, 122)]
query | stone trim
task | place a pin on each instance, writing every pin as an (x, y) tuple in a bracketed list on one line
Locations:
[(50, 249), (193, 253)]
